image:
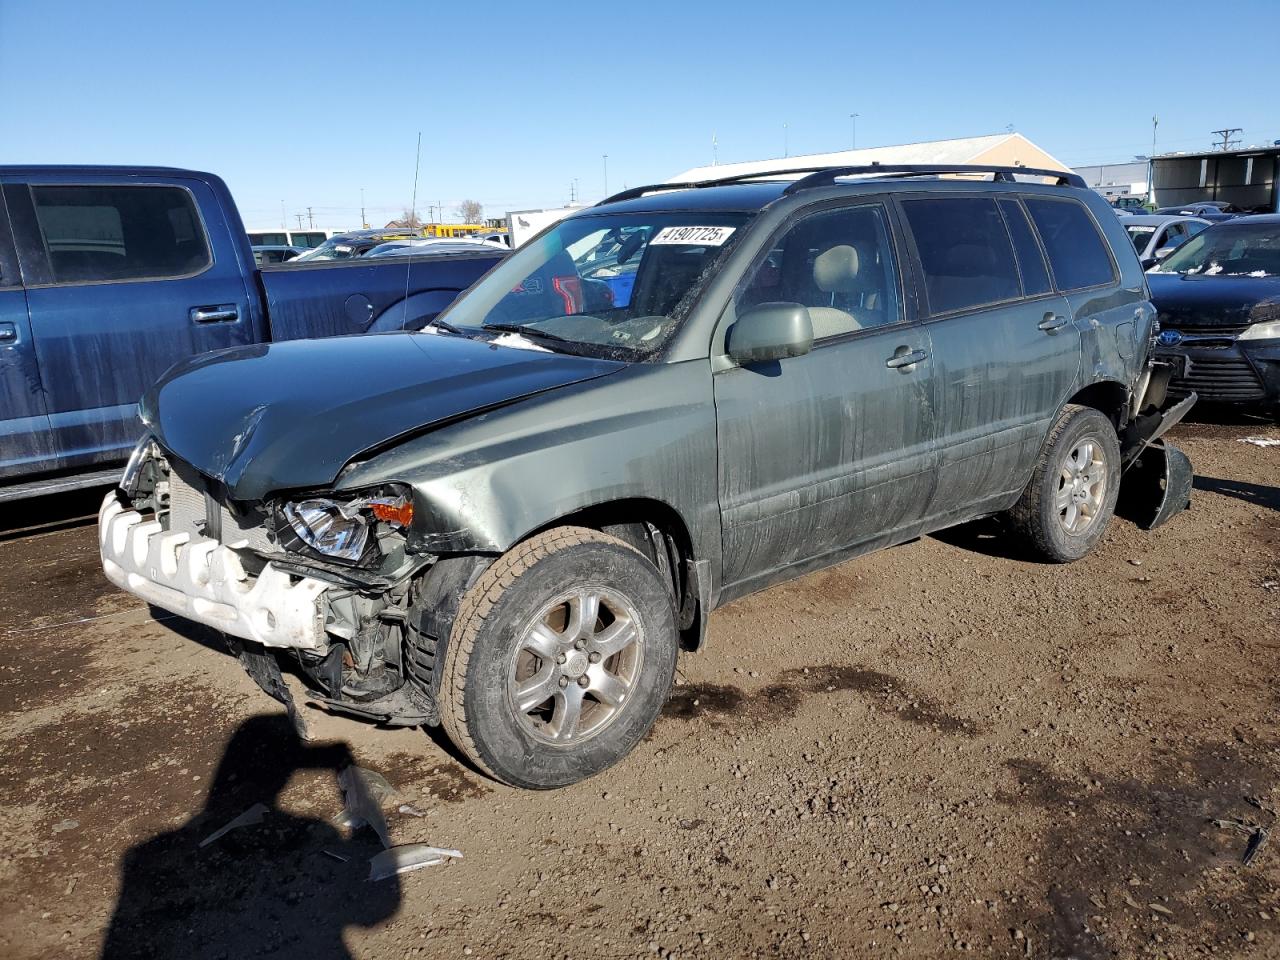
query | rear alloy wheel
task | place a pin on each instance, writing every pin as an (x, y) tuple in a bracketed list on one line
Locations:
[(560, 659), (1065, 509)]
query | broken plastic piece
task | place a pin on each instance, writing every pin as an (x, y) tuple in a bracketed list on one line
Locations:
[(364, 792), (335, 856), (1254, 847), (251, 816), (1157, 488), (408, 857), (411, 810)]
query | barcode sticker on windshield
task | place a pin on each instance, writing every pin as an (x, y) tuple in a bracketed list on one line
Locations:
[(694, 236)]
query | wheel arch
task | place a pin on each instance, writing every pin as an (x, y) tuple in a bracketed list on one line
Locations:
[(1109, 397), (661, 533)]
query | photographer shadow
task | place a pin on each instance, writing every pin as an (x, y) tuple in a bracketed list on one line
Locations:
[(288, 886)]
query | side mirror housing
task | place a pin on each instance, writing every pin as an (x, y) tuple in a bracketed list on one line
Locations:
[(770, 331), (1149, 262)]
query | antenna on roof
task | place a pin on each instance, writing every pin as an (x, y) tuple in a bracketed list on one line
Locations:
[(413, 213)]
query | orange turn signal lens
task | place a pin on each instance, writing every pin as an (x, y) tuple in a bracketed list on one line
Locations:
[(398, 511)]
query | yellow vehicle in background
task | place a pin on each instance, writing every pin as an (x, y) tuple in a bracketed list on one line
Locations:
[(464, 231)]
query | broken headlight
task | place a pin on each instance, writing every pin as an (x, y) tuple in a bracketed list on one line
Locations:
[(346, 529)]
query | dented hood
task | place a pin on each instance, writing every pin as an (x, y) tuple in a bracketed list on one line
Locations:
[(289, 415)]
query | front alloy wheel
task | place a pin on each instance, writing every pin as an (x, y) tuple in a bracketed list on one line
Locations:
[(560, 659), (576, 664)]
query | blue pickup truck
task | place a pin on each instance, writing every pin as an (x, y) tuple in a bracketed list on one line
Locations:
[(110, 275)]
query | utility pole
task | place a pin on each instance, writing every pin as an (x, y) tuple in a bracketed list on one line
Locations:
[(1227, 142), (311, 221), (853, 119), (284, 221), (364, 222), (786, 149), (715, 149), (299, 216), (1151, 161), (606, 174)]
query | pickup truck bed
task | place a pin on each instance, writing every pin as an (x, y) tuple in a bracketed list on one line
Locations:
[(110, 275)]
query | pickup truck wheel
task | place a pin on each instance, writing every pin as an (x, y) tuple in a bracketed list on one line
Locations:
[(560, 659), (1071, 498)]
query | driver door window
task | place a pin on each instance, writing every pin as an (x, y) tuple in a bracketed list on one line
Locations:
[(839, 264)]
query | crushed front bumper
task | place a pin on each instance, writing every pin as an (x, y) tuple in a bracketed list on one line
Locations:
[(204, 581)]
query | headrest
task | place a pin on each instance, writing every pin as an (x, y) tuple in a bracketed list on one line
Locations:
[(970, 259), (836, 271)]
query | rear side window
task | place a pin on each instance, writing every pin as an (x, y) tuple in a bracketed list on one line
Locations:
[(965, 252), (1077, 253), (1035, 277), (96, 233)]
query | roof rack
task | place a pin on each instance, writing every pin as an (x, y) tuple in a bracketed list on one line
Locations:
[(826, 176)]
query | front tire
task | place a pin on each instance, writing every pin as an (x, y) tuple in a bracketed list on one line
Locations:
[(560, 659), (1065, 509)]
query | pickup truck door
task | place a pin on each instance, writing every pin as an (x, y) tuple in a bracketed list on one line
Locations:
[(124, 277), (25, 445), (831, 453)]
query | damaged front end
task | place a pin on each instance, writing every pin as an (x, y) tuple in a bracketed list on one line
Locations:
[(324, 578), (1157, 475)]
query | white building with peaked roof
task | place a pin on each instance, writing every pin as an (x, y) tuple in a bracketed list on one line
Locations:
[(1002, 150)]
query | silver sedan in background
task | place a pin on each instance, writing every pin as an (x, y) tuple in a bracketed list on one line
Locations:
[(1157, 235)]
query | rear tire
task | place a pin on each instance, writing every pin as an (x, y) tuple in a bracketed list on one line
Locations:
[(560, 659), (1065, 509)]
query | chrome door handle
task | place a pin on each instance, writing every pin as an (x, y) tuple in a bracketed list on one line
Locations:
[(904, 360), (227, 313), (1052, 321), (8, 333)]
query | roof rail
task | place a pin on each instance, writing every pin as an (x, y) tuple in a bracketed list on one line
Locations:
[(634, 192), (828, 175), (822, 176)]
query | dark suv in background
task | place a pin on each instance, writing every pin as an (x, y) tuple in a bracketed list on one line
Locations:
[(511, 522)]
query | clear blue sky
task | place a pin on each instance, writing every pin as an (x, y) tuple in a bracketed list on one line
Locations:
[(307, 103)]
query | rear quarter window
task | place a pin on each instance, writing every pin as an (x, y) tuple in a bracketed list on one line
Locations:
[(1078, 254)]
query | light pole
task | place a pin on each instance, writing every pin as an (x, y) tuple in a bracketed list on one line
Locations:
[(364, 221), (606, 174), (786, 151), (853, 120)]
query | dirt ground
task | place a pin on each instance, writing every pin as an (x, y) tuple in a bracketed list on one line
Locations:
[(937, 749)]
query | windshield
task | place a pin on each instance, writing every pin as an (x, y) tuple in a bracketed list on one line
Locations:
[(335, 249), (1140, 236), (1228, 251), (615, 284), (394, 246)]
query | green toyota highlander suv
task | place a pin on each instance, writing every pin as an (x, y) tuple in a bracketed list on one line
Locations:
[(510, 521)]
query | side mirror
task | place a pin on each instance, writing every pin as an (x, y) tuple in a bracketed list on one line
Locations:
[(1148, 262), (770, 331), (1166, 250)]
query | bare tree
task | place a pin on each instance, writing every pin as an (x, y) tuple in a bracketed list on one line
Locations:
[(410, 218), (470, 211)]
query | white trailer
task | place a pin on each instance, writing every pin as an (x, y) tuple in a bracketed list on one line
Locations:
[(523, 224)]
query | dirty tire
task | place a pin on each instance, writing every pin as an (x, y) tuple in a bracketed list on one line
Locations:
[(1033, 520), (475, 706)]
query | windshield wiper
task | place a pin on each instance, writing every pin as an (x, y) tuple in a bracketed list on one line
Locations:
[(444, 325), (526, 330)]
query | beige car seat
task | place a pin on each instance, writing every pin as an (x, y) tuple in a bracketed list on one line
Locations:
[(838, 273)]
